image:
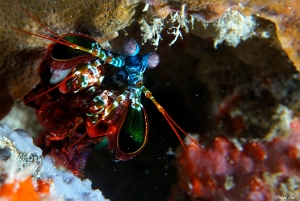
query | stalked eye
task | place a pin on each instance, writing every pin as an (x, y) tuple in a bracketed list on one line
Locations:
[(151, 60), (131, 47)]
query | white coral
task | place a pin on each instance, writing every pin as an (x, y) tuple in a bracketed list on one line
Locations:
[(233, 27), (182, 23), (17, 148), (152, 31), (178, 21)]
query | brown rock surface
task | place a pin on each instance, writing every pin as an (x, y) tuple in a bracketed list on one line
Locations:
[(21, 53)]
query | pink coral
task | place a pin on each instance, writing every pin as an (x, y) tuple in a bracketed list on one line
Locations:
[(241, 174)]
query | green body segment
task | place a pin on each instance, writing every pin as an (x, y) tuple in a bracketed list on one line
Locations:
[(132, 134), (95, 108), (98, 102), (63, 52), (83, 80)]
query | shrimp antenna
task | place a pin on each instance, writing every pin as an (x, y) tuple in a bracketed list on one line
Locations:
[(59, 39), (45, 27), (174, 126), (51, 89)]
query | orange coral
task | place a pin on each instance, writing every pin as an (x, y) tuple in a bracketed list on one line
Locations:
[(18, 190)]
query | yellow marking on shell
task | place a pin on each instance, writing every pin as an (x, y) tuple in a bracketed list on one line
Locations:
[(101, 78)]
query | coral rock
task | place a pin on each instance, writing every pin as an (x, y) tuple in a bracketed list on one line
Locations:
[(21, 54), (257, 172)]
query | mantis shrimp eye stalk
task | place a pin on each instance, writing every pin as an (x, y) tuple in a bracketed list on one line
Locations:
[(131, 47), (151, 60)]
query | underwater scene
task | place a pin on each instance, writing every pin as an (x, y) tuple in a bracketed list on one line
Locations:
[(150, 100)]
